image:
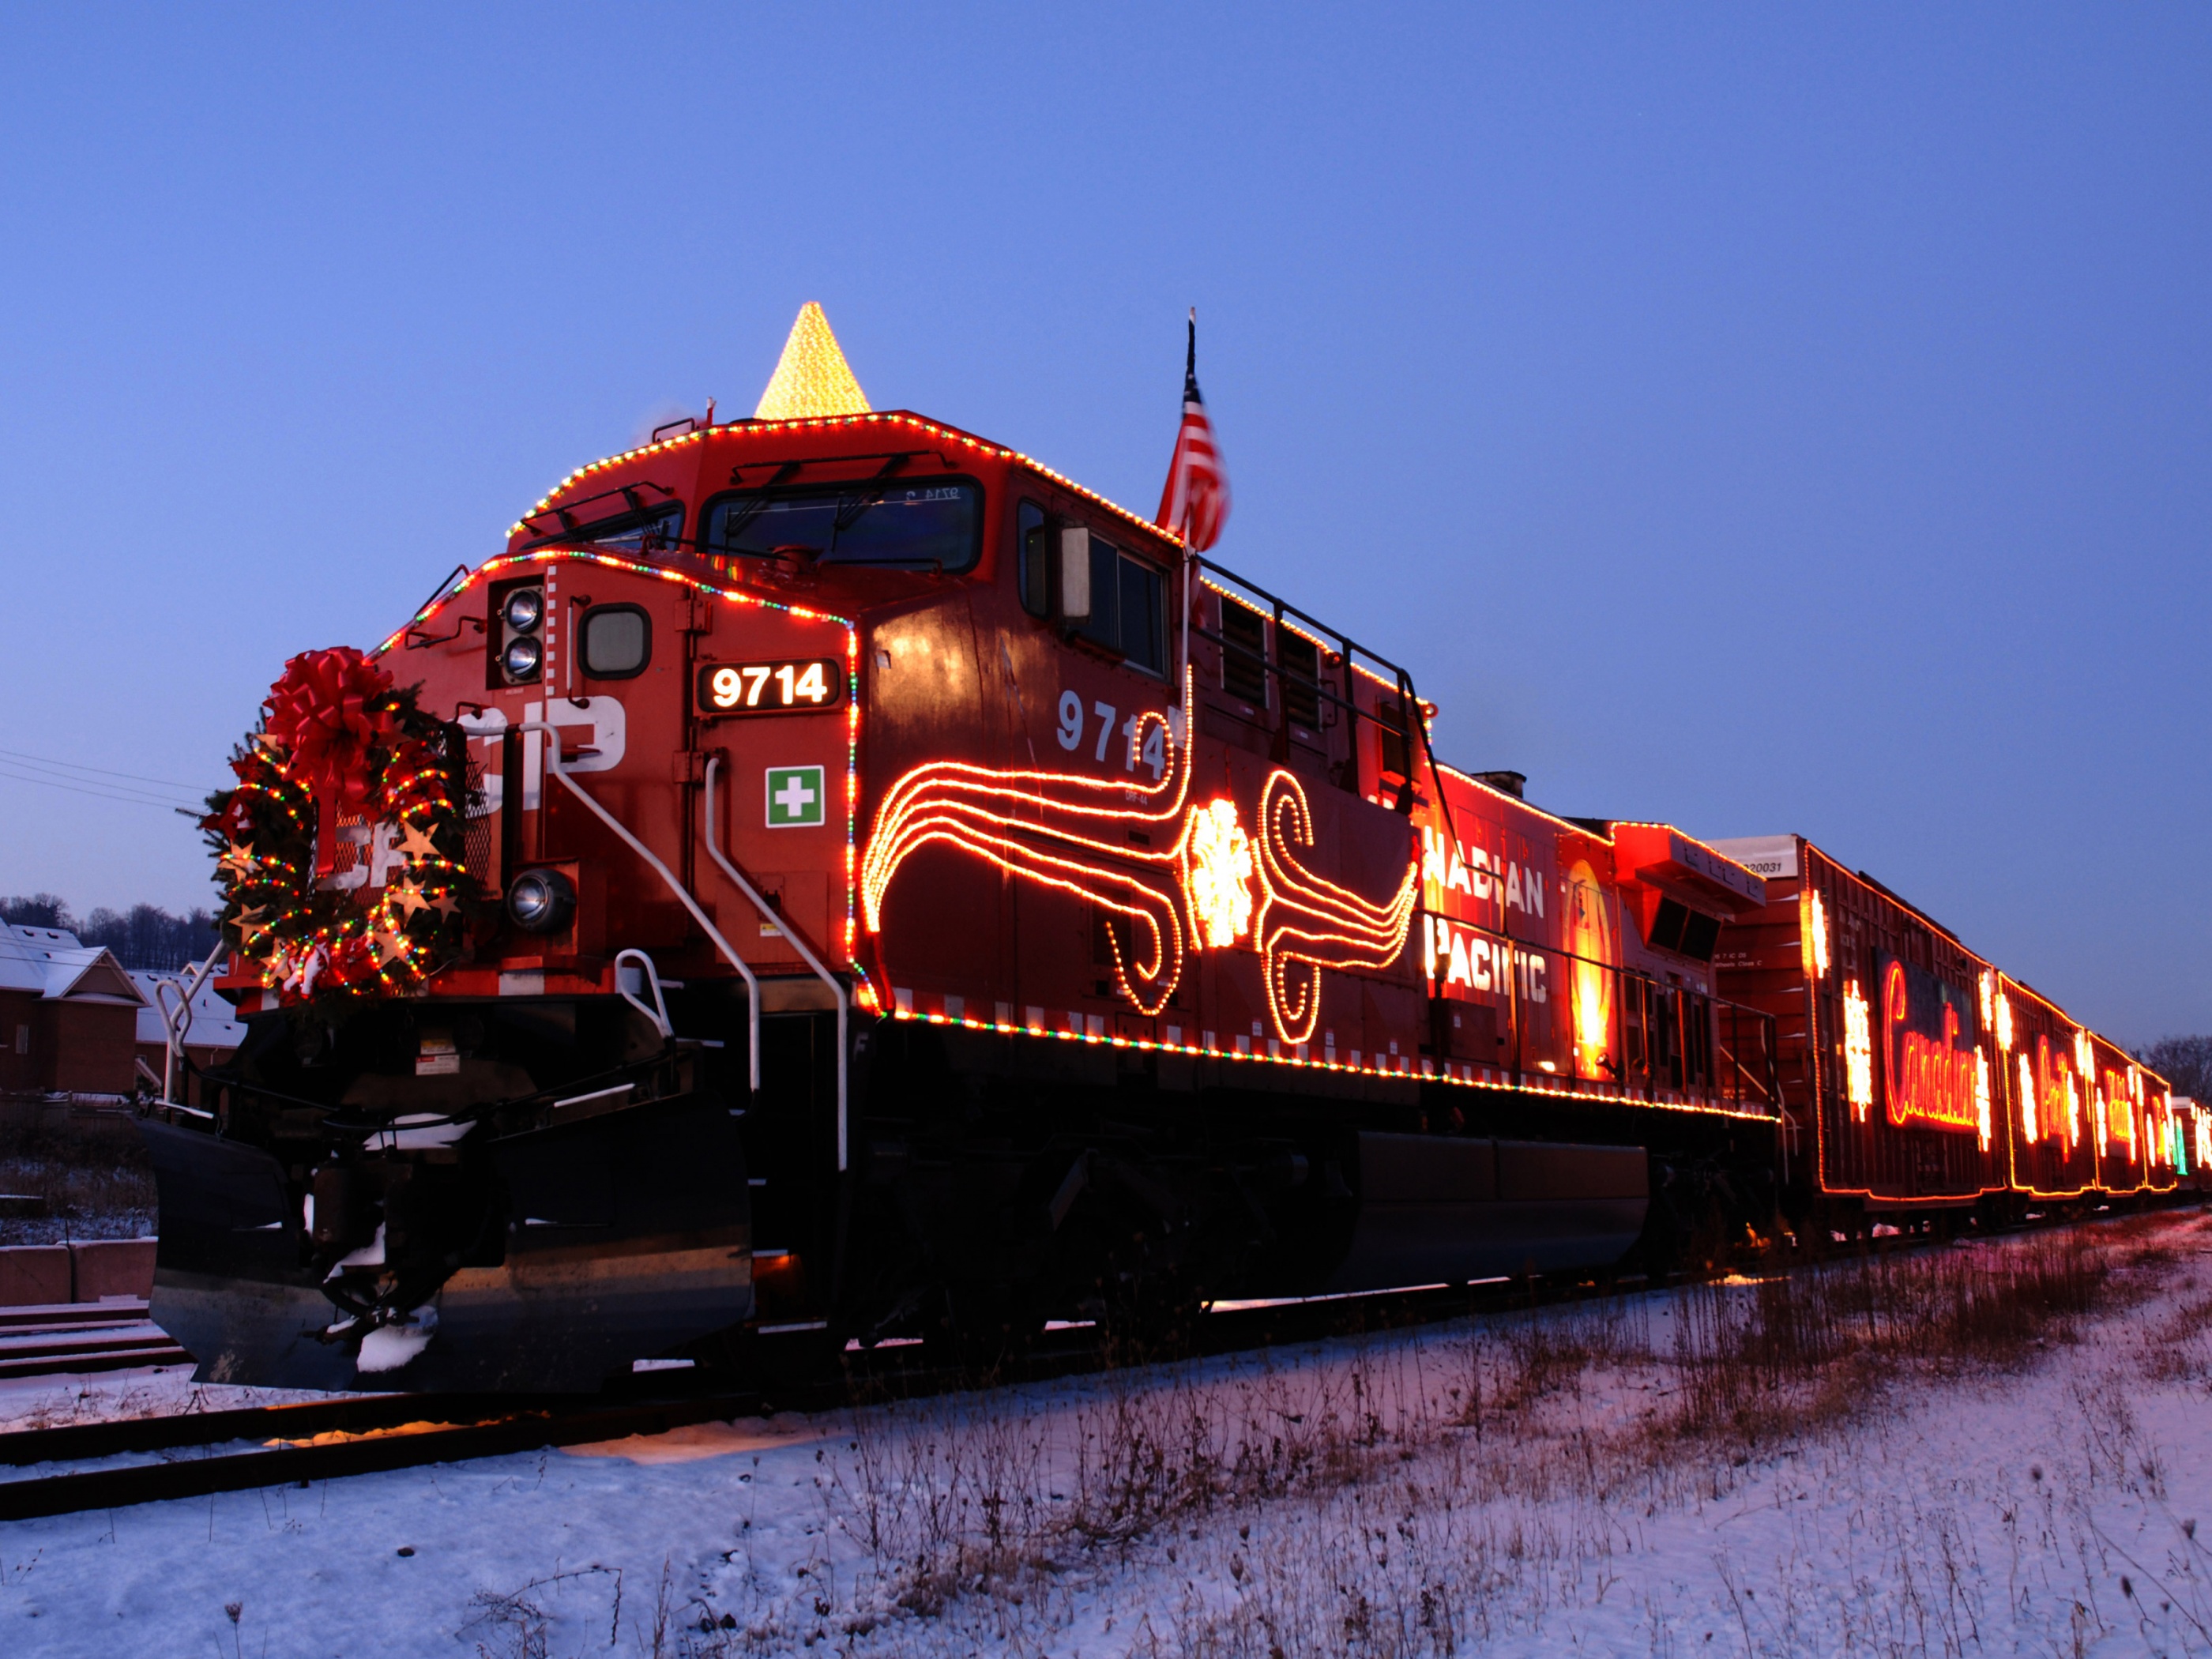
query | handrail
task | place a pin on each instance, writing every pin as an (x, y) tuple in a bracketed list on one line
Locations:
[(752, 983), (175, 1025), (1413, 728), (1769, 1085), (1623, 975), (659, 1012), (172, 1019), (1348, 648), (770, 914)]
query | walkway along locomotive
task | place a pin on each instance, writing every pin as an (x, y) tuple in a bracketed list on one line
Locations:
[(833, 873)]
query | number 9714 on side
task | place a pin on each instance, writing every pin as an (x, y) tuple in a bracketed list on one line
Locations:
[(770, 688)]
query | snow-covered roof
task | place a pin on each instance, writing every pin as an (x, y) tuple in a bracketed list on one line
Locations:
[(215, 1023), (50, 962)]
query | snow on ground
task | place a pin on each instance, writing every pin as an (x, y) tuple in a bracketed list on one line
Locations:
[(54, 1402), (1997, 1448)]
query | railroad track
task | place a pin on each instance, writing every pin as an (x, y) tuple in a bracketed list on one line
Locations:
[(197, 1454), (289, 1445), (193, 1455)]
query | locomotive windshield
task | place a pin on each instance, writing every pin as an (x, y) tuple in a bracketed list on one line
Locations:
[(639, 533), (888, 523), (632, 533)]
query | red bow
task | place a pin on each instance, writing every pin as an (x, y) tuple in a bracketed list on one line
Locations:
[(319, 714)]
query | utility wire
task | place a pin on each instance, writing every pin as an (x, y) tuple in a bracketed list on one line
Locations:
[(99, 793), (67, 767)]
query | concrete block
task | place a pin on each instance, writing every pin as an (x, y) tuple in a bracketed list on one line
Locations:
[(34, 1273), (113, 1267)]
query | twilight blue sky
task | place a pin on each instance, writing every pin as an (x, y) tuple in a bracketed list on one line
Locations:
[(1757, 419)]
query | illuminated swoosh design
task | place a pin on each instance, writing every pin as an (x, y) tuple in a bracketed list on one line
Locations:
[(1307, 922), (1051, 828), (1064, 830)]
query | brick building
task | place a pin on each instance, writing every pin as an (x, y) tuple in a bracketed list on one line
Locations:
[(68, 1015)]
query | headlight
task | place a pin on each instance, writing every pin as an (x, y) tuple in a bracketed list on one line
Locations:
[(541, 901), (525, 609), (522, 658)]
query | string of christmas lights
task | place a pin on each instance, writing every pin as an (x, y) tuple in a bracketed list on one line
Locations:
[(1050, 828), (1306, 922)]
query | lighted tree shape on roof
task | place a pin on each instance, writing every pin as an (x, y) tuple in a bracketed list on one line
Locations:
[(812, 378)]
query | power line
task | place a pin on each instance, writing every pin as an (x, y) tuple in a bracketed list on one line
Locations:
[(104, 791), (78, 766), (89, 789), (86, 789)]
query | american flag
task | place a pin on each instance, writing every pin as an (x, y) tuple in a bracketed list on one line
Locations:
[(1196, 501)]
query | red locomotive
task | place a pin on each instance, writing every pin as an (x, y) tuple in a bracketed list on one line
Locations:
[(833, 873)]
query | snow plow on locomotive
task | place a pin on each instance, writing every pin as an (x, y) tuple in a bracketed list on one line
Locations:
[(832, 875)]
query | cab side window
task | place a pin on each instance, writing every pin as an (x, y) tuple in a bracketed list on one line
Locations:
[(1144, 619), (1033, 548), (1128, 607)]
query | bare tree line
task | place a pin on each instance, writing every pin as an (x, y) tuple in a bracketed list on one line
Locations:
[(2183, 1062), (144, 936)]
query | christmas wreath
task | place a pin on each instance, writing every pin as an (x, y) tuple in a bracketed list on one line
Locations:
[(343, 850)]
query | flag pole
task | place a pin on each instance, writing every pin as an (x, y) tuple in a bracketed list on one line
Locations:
[(1183, 677), (1190, 373)]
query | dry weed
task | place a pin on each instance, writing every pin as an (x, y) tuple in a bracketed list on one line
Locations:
[(1437, 1492), (92, 1190)]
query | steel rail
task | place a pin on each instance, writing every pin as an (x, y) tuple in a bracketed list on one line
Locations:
[(354, 1413), (378, 1450)]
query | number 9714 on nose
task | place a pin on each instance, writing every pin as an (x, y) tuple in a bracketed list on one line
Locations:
[(770, 687)]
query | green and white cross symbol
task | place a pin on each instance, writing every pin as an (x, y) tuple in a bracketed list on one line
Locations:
[(794, 796)]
